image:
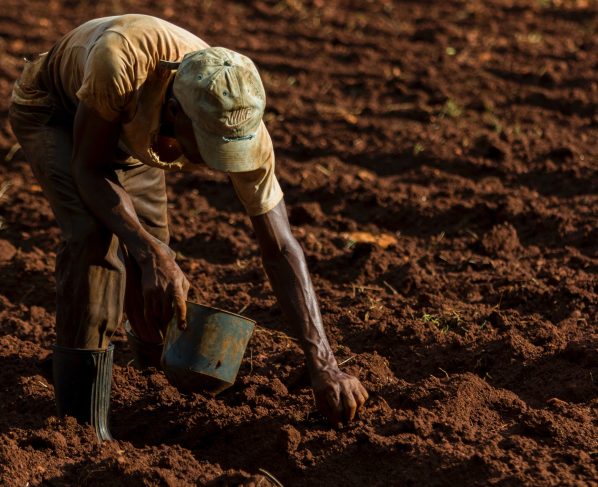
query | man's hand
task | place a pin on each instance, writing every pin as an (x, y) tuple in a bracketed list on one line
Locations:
[(339, 396), (165, 289)]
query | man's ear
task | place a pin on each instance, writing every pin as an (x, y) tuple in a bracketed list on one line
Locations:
[(172, 110)]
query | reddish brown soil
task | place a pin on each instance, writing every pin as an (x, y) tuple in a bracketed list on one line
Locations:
[(468, 131)]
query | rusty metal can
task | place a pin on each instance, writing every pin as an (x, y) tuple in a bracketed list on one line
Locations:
[(206, 356)]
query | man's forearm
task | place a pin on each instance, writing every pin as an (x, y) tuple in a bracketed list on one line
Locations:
[(285, 265), (289, 277), (95, 141), (338, 395), (112, 206)]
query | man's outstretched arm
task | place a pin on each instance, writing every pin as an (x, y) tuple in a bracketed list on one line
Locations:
[(338, 395)]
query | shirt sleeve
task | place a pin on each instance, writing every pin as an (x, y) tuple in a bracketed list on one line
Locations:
[(109, 77), (259, 190)]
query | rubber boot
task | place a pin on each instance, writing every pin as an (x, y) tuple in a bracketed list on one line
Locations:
[(145, 354), (82, 384)]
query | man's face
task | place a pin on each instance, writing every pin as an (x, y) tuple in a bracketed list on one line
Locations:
[(183, 129)]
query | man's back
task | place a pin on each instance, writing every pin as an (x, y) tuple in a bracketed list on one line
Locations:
[(105, 62), (112, 65)]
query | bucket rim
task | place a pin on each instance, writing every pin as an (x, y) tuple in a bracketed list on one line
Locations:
[(213, 308)]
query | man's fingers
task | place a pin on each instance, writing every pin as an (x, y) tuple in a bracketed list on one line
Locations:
[(340, 398), (363, 391), (180, 308), (363, 396), (349, 406), (362, 399), (180, 304), (360, 395)]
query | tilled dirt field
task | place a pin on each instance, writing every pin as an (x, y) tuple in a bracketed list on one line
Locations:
[(462, 135)]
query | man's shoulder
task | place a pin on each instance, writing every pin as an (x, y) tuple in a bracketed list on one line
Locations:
[(147, 31), (137, 24), (141, 41)]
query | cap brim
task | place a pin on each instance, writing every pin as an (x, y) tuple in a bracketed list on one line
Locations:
[(230, 156)]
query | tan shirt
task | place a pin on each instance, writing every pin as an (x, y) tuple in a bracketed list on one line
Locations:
[(112, 65)]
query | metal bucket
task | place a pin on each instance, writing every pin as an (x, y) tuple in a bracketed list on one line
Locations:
[(206, 356)]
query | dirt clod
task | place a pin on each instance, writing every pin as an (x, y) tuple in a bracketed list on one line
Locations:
[(7, 250)]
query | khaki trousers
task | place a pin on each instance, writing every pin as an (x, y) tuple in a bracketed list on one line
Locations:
[(95, 277)]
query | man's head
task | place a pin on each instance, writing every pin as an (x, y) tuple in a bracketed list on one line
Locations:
[(223, 100)]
